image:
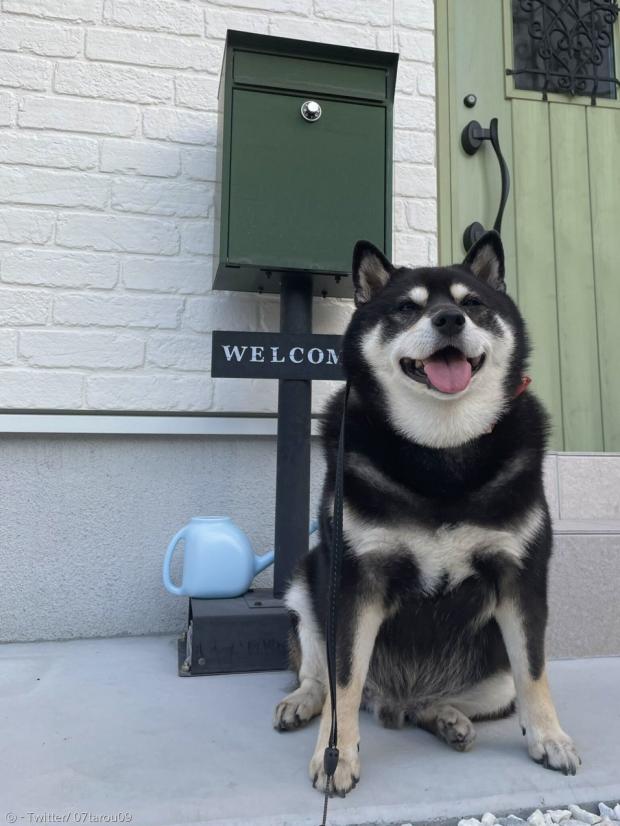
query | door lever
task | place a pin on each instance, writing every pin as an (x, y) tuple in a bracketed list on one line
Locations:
[(472, 137)]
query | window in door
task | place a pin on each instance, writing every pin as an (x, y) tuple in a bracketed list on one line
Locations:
[(564, 47)]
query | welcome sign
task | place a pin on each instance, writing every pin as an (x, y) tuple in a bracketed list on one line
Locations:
[(276, 356)]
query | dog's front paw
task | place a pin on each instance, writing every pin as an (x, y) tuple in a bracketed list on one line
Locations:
[(297, 709), (555, 751), (346, 777)]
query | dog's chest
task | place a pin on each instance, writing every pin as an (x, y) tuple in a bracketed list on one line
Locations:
[(447, 553)]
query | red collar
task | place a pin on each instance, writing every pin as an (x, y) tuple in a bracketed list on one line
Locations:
[(521, 388)]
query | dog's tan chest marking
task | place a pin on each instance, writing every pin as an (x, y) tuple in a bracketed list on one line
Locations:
[(445, 551)]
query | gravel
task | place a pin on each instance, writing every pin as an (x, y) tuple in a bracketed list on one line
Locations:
[(571, 816)]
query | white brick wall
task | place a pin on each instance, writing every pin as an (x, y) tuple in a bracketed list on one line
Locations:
[(107, 168)]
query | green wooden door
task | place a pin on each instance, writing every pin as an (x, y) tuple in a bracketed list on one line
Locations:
[(292, 182), (561, 228)]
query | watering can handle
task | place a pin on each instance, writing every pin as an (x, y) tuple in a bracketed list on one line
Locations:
[(174, 589)]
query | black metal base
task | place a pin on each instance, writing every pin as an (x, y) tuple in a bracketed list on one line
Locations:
[(232, 636)]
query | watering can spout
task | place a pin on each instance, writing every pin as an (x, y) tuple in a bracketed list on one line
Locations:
[(261, 562)]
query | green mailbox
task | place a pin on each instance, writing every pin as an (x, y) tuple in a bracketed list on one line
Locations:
[(304, 161)]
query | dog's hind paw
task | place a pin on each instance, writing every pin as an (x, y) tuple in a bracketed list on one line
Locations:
[(345, 779), (556, 752), (455, 728), (390, 716), (297, 709)]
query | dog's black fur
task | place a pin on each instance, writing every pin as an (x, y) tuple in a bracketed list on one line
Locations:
[(444, 485), (438, 639)]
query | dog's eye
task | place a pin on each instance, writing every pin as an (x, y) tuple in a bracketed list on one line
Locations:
[(407, 307), (471, 301)]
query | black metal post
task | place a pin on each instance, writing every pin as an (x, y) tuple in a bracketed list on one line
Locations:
[(293, 457)]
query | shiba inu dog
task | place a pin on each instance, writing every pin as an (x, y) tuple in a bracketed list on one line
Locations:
[(442, 606)]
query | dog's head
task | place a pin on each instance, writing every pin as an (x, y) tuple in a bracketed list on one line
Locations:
[(445, 345)]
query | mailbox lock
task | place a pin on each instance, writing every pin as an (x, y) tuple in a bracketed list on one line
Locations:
[(311, 110)]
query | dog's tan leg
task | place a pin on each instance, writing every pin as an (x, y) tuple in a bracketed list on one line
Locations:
[(299, 707), (547, 743), (368, 619)]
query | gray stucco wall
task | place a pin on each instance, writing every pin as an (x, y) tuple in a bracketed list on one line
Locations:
[(85, 521)]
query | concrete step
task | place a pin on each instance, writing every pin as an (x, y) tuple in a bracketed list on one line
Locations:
[(106, 726), (587, 526), (584, 593)]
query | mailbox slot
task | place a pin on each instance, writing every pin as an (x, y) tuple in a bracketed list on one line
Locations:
[(305, 75)]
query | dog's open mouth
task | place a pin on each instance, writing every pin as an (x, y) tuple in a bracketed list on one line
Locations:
[(448, 370)]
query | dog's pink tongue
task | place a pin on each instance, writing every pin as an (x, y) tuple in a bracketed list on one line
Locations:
[(448, 371)]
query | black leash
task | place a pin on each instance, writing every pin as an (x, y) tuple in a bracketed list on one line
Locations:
[(330, 757)]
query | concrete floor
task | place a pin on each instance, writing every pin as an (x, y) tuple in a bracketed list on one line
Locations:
[(106, 726)]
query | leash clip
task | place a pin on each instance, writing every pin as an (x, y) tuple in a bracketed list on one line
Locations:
[(330, 760)]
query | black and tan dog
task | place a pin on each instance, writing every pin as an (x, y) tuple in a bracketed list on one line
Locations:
[(443, 601)]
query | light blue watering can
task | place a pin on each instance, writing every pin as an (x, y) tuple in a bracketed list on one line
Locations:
[(218, 561)]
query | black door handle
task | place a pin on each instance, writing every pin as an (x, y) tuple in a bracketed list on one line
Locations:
[(471, 141)]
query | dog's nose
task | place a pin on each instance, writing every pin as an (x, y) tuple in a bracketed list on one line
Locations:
[(450, 322)]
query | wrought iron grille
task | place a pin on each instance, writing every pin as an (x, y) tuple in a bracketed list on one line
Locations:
[(565, 46)]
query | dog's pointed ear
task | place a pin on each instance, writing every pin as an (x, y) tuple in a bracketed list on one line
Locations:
[(486, 260), (371, 272)]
